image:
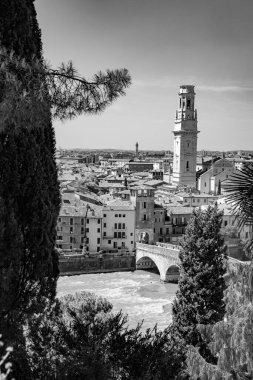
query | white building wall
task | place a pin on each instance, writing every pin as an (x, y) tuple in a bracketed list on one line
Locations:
[(118, 230)]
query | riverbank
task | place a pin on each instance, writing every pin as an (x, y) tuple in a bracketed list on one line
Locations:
[(70, 265)]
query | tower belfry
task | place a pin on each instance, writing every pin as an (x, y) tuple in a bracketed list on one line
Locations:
[(185, 139)]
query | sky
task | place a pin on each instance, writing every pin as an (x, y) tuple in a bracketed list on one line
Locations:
[(163, 44)]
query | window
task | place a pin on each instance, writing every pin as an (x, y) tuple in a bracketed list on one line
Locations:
[(59, 237), (119, 226), (204, 200), (131, 234), (132, 242), (119, 215), (198, 200), (98, 221), (188, 104), (82, 221), (123, 235), (124, 215), (104, 234), (185, 200), (187, 165), (87, 230), (70, 247), (205, 184), (80, 246), (104, 225), (115, 244), (59, 246), (98, 240), (144, 204), (71, 221), (82, 230), (109, 241), (115, 226), (144, 217), (71, 239), (123, 226), (161, 231), (104, 215), (98, 230), (98, 249), (59, 220), (88, 221), (119, 235), (71, 230), (87, 241), (116, 215), (115, 235), (193, 200), (123, 244), (225, 223)]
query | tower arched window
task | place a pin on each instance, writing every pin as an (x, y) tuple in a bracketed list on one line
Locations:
[(187, 166), (188, 104)]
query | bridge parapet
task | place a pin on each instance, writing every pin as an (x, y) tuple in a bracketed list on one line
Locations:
[(168, 252)]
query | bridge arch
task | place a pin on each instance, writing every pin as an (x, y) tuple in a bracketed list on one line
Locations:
[(146, 262), (172, 273), (164, 257)]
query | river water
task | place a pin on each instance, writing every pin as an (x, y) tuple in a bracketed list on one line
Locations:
[(139, 294)]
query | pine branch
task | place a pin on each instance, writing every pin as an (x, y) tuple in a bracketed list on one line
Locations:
[(71, 95)]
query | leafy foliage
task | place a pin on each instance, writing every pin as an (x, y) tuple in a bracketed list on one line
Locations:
[(80, 338), (5, 365), (231, 338), (239, 193), (199, 300)]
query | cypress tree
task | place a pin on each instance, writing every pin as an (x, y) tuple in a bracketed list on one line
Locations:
[(29, 189), (199, 300)]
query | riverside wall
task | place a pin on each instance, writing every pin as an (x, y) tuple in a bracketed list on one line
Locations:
[(78, 264)]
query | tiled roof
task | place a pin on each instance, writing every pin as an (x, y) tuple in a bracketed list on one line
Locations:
[(118, 204), (180, 210)]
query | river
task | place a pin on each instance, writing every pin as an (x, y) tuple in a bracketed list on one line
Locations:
[(139, 294)]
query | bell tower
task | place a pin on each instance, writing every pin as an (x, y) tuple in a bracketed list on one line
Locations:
[(137, 149), (185, 139)]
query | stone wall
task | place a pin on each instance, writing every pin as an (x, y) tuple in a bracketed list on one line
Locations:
[(71, 265)]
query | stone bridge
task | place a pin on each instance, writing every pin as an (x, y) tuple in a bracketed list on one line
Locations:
[(164, 256)]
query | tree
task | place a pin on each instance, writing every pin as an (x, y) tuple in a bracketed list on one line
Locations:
[(232, 341), (80, 338), (199, 300), (31, 92)]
